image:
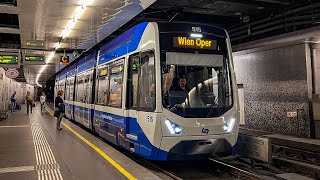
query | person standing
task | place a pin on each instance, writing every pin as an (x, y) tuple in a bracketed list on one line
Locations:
[(59, 106), (13, 101), (29, 100), (43, 99)]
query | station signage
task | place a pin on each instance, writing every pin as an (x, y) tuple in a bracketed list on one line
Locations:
[(10, 60), (103, 72), (64, 59), (12, 73), (35, 43), (34, 58), (195, 43)]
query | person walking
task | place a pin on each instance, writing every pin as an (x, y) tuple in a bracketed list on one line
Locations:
[(29, 100), (60, 108), (43, 99), (13, 100)]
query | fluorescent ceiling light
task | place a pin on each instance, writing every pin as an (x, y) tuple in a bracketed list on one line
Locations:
[(65, 33), (57, 46)]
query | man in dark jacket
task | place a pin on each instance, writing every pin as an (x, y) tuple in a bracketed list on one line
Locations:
[(13, 100), (59, 106)]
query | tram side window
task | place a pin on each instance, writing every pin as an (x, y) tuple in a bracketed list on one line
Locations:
[(116, 84), (147, 82), (79, 88), (62, 86), (132, 95), (103, 86), (71, 89), (67, 90)]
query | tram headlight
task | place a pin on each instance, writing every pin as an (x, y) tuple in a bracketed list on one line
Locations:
[(228, 127), (173, 127)]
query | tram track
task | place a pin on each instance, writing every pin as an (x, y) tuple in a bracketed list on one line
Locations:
[(240, 172)]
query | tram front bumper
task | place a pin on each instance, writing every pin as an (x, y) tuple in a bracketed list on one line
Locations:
[(195, 147)]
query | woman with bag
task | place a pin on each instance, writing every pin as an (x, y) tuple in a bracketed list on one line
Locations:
[(30, 102), (59, 109)]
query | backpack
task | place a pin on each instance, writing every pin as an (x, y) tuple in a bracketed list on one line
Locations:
[(18, 107), (12, 99)]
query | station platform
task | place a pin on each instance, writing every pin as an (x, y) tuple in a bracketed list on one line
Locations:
[(32, 148), (306, 144)]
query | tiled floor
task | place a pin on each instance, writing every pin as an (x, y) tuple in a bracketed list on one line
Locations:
[(32, 148)]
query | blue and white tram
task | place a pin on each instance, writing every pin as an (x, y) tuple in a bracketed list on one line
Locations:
[(162, 90)]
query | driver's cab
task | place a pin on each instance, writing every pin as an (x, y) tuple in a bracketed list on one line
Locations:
[(179, 89), (187, 89)]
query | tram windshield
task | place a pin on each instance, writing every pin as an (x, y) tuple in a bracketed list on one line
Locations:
[(196, 85)]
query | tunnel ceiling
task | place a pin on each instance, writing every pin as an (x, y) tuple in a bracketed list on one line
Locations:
[(246, 20)]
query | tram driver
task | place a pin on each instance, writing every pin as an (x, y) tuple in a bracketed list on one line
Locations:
[(182, 84), (179, 92)]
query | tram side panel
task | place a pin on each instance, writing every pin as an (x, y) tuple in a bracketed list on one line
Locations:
[(149, 119)]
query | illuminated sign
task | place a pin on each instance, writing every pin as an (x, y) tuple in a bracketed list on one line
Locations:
[(34, 58), (103, 72), (64, 59), (35, 43), (196, 43), (9, 59)]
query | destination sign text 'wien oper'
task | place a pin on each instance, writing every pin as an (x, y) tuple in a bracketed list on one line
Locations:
[(196, 43)]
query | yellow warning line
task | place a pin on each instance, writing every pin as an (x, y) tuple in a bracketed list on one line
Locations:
[(106, 157)]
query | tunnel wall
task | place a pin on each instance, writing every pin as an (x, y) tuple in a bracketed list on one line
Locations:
[(8, 86), (274, 83)]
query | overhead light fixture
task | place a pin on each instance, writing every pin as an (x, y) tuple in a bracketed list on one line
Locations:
[(57, 46), (65, 33), (76, 15), (49, 59), (196, 35)]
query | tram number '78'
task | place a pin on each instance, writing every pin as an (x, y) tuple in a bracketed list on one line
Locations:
[(150, 119)]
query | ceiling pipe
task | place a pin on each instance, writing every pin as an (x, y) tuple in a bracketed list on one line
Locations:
[(284, 38)]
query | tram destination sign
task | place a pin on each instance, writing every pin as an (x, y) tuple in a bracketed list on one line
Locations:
[(195, 43), (9, 60)]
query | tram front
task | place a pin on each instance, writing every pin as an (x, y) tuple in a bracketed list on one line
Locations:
[(200, 114)]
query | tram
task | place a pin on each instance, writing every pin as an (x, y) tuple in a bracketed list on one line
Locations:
[(165, 91)]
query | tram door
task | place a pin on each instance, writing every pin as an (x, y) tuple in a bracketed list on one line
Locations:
[(140, 98), (86, 116), (89, 103), (132, 102), (79, 91)]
